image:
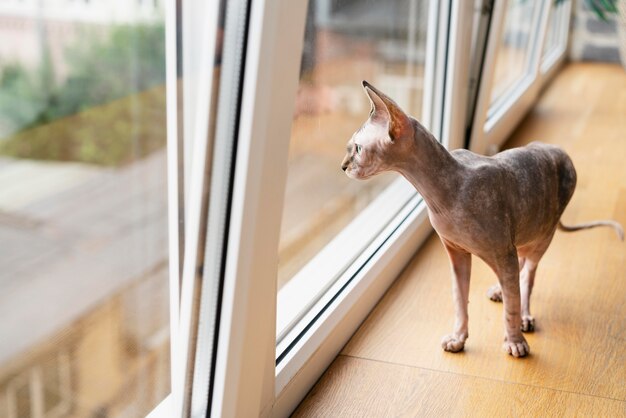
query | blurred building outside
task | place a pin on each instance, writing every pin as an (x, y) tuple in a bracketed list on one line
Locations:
[(84, 285)]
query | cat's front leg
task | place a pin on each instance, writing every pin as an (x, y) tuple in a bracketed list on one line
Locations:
[(461, 263)]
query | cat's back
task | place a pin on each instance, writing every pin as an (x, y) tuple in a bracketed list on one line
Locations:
[(471, 159), (537, 169), (541, 172), (534, 157)]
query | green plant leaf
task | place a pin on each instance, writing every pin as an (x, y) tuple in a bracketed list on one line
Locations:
[(609, 5), (597, 9)]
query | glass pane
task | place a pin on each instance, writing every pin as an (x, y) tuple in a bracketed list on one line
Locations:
[(514, 50), (555, 27), (83, 207), (552, 30), (346, 41)]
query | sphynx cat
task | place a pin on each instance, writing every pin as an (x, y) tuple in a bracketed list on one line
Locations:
[(503, 209)]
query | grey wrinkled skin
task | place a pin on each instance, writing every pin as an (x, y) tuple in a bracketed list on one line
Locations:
[(503, 209)]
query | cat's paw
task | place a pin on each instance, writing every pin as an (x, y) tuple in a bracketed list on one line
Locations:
[(495, 293), (517, 347), (453, 342), (528, 324)]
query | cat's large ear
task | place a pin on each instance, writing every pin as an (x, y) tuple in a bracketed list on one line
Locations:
[(386, 112)]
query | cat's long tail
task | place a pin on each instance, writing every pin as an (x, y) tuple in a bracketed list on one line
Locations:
[(615, 225)]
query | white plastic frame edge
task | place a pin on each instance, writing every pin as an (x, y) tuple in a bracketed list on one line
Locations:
[(175, 200), (199, 42), (246, 342)]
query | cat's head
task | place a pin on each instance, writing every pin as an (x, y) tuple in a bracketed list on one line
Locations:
[(380, 141)]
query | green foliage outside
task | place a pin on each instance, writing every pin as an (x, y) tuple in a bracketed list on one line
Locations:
[(602, 8), (109, 110)]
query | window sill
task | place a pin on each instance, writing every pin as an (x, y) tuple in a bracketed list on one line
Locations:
[(310, 287), (355, 293)]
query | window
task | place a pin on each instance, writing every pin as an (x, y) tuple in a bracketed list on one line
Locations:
[(344, 43), (513, 56), (556, 37), (217, 264), (328, 219), (283, 256), (521, 47), (83, 210), (420, 62), (245, 128)]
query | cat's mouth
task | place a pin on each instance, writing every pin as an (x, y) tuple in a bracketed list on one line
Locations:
[(355, 175), (350, 173)]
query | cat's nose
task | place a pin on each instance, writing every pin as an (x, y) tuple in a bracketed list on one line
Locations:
[(345, 162)]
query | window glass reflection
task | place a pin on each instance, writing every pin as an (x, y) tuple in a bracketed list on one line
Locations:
[(346, 41), (556, 25), (514, 50)]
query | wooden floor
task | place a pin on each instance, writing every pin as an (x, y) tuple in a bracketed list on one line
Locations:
[(394, 366)]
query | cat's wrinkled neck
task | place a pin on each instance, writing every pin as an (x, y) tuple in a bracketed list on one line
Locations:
[(431, 169)]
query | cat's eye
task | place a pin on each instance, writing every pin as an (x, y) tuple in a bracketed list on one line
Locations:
[(358, 149)]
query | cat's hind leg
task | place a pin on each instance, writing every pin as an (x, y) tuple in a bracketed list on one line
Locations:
[(495, 292), (527, 280)]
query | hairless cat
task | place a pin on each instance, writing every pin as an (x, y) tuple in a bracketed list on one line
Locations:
[(503, 209)]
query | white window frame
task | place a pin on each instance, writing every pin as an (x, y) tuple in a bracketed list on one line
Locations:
[(176, 187), (491, 127), (188, 153)]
